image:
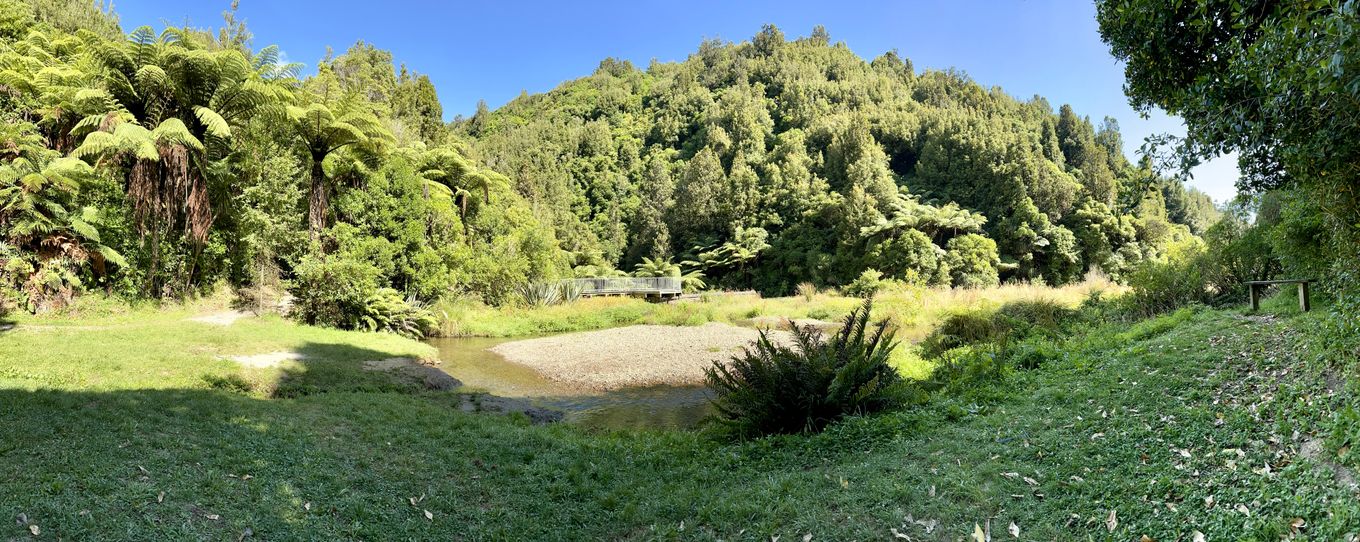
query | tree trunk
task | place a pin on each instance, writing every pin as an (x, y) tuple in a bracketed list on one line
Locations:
[(318, 201)]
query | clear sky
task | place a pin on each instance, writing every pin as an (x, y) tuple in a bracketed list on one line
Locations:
[(495, 50)]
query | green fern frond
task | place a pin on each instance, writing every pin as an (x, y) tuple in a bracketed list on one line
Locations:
[(216, 125)]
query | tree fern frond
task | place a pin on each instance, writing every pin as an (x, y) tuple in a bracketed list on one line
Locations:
[(173, 131), (216, 125)]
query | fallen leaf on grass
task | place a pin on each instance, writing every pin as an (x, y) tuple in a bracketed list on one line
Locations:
[(1198, 537), (897, 534), (1209, 501), (978, 535), (1113, 521), (307, 506), (1014, 530), (245, 534), (1242, 509), (1297, 524), (33, 528), (932, 491), (160, 497), (807, 537), (213, 517), (1146, 538), (1031, 481), (429, 515)]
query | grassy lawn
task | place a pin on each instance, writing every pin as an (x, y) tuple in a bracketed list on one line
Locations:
[(111, 431)]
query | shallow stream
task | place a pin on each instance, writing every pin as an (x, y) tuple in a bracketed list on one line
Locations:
[(470, 361)]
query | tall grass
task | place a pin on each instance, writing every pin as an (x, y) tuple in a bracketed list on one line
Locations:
[(912, 311)]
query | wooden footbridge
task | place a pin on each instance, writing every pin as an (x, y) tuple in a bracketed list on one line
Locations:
[(650, 287)]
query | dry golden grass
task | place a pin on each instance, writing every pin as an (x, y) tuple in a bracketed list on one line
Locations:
[(913, 311)]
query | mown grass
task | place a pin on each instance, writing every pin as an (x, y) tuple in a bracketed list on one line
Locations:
[(113, 434)]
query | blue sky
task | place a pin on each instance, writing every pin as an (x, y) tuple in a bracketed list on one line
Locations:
[(495, 50)]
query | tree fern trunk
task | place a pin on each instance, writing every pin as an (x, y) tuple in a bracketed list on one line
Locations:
[(318, 201)]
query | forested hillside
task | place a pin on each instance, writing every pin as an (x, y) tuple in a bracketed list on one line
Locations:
[(159, 164), (771, 162)]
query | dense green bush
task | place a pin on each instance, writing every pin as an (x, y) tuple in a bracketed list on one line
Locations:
[(868, 284), (1157, 287), (964, 328), (1029, 317), (1239, 250), (1014, 321), (966, 368), (332, 291), (972, 261), (912, 257), (773, 388)]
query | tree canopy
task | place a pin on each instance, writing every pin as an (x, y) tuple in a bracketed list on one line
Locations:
[(167, 162)]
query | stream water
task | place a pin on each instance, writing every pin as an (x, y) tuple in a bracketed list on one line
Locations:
[(471, 361)]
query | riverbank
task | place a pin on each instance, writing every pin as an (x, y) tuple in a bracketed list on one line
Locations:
[(633, 356), (914, 311), (115, 430)]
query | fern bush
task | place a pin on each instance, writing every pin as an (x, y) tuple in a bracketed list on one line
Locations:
[(772, 388), (387, 311)]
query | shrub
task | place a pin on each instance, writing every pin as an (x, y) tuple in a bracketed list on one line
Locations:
[(966, 368), (540, 293), (332, 292), (808, 290), (910, 255), (1014, 321), (385, 310), (1158, 287), (773, 388), (973, 261), (963, 328), (868, 284), (570, 291), (1026, 317)]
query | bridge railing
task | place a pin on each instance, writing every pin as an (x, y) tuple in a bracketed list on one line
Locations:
[(625, 285)]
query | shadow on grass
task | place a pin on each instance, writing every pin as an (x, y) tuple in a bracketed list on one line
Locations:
[(335, 367), (7, 324)]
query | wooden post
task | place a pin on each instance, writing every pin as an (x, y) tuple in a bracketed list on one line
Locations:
[(1255, 297), (1303, 296)]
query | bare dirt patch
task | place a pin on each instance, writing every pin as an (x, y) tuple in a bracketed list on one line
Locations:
[(267, 360), (1313, 450), (224, 318), (633, 356)]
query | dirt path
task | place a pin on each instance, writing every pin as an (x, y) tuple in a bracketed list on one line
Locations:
[(633, 356)]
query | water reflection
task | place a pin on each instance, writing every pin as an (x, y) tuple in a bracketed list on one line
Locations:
[(471, 361)]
